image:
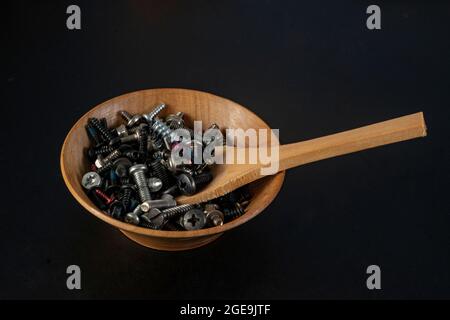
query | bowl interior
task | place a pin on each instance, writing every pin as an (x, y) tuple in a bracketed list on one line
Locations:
[(197, 106)]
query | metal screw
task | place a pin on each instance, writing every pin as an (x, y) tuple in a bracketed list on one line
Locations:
[(156, 110), (91, 180), (194, 219), (130, 119), (233, 212), (165, 202), (159, 218), (154, 184), (189, 184), (160, 129), (175, 121), (133, 217), (213, 215), (138, 173), (121, 131), (103, 196), (94, 122)]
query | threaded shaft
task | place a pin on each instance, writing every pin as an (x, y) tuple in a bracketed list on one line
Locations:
[(143, 144), (175, 121), (173, 226), (92, 134), (159, 171), (125, 115), (161, 129), (105, 168), (126, 198), (125, 180), (234, 212), (99, 127), (116, 154), (103, 196), (146, 224), (174, 211), (103, 150), (141, 182), (202, 179), (151, 115)]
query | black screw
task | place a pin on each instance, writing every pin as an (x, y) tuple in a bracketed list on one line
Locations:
[(189, 184)]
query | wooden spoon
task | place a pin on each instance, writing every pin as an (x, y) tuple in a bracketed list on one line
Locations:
[(228, 177)]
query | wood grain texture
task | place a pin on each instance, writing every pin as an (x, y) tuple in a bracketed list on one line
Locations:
[(197, 106), (229, 177)]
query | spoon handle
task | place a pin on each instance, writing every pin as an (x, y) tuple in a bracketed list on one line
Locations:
[(378, 134)]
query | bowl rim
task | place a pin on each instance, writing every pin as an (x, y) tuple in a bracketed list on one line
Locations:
[(160, 233)]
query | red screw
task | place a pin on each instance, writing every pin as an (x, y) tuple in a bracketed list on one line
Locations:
[(102, 195)]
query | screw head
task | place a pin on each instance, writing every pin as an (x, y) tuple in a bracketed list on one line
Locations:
[(91, 180), (194, 219), (186, 184), (138, 167), (154, 184), (133, 121), (132, 218), (122, 130), (145, 206), (98, 163)]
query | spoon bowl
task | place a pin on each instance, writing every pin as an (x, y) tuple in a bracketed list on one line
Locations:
[(196, 105)]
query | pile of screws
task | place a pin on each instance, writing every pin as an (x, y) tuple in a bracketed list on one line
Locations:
[(133, 179)]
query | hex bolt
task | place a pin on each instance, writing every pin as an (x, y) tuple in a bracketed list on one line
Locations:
[(131, 120), (214, 216), (138, 173), (156, 110), (91, 180), (194, 219)]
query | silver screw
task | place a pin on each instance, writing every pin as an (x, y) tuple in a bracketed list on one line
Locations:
[(156, 110), (91, 180), (175, 121), (138, 173), (131, 120), (154, 184), (166, 201)]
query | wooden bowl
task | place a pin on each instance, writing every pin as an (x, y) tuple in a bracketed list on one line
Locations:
[(197, 106)]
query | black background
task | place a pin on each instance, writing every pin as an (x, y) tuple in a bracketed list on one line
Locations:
[(309, 69)]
